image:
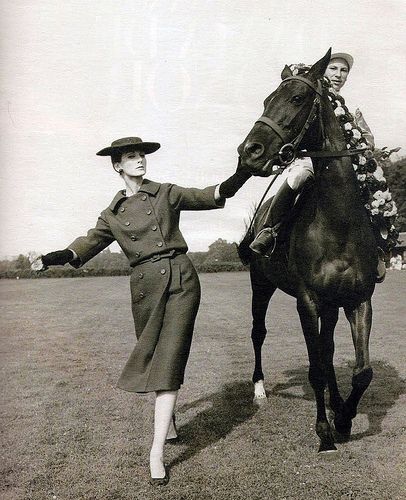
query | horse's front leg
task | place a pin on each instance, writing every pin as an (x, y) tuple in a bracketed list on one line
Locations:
[(360, 320), (308, 314), (261, 295)]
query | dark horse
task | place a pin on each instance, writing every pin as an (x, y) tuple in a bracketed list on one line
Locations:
[(330, 257)]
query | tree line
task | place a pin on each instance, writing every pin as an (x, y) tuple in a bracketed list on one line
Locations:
[(221, 255)]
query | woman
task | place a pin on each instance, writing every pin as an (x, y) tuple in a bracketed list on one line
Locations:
[(370, 176), (165, 289)]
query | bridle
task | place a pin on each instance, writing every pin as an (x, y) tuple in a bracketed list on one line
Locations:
[(290, 149)]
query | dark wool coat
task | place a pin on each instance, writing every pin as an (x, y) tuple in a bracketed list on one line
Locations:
[(165, 292)]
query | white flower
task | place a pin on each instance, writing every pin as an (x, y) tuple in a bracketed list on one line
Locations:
[(386, 195), (375, 203), (339, 111), (378, 194), (362, 160), (361, 177), (378, 174), (338, 103), (355, 167), (356, 133), (374, 211), (393, 212), (348, 126)]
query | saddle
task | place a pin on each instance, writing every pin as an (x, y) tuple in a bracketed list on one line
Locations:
[(282, 229)]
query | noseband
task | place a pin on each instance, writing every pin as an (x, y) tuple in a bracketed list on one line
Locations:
[(289, 151)]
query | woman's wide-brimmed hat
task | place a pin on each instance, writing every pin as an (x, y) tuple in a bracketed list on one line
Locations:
[(342, 55), (130, 144)]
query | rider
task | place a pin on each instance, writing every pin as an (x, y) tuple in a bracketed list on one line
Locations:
[(302, 170)]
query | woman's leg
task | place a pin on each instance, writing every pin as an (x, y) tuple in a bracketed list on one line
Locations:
[(164, 407)]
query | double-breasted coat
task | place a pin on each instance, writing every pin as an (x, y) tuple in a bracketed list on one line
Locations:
[(165, 288)]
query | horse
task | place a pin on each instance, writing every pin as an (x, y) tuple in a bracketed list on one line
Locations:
[(329, 258)]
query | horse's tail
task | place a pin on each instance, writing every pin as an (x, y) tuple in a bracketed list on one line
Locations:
[(244, 251), (243, 248)]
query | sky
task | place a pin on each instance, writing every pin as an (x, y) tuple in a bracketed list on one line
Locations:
[(190, 74)]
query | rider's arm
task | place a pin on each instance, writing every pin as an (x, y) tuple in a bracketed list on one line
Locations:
[(365, 130)]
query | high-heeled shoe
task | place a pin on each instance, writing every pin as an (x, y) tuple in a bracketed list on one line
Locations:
[(160, 481)]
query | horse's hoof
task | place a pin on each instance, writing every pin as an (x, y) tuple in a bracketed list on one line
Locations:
[(259, 392), (260, 400), (328, 454), (341, 430)]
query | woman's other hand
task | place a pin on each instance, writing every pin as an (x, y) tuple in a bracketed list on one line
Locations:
[(58, 258), (35, 259)]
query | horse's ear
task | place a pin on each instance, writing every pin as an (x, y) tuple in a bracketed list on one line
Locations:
[(318, 69), (286, 72)]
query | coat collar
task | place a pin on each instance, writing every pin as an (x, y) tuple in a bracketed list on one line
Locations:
[(147, 186)]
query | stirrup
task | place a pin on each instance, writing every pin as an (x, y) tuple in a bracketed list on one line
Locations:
[(265, 248)]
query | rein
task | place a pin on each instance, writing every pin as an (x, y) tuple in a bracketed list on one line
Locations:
[(289, 151), (261, 201)]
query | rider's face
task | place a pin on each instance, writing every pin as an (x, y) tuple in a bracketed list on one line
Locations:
[(337, 73)]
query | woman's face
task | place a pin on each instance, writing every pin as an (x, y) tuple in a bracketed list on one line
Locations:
[(337, 73), (133, 164)]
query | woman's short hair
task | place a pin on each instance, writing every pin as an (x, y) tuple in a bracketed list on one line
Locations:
[(116, 156)]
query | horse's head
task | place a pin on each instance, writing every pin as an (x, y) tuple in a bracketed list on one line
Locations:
[(288, 114)]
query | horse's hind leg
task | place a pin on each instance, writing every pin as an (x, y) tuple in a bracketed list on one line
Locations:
[(329, 318), (261, 295), (360, 320)]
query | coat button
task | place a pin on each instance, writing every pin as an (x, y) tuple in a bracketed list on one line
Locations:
[(137, 254), (133, 237), (163, 271), (141, 275), (122, 209), (127, 223), (142, 295), (149, 212), (154, 228), (143, 198), (159, 243)]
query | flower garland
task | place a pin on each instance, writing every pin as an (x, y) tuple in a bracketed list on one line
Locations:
[(375, 194), (374, 189)]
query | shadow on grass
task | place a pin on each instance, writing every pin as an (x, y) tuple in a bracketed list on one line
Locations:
[(385, 389), (228, 408)]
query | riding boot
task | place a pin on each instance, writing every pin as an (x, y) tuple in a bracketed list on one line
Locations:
[(281, 205), (381, 268)]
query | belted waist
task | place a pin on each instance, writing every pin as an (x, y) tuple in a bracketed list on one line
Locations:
[(158, 256)]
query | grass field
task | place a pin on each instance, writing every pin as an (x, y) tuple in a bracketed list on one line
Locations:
[(68, 433)]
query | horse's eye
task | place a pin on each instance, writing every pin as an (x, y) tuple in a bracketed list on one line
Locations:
[(297, 99)]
